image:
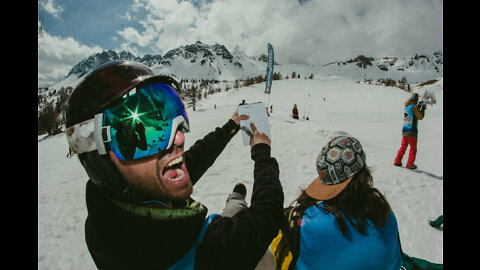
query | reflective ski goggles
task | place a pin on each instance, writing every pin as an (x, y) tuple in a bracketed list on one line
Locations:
[(142, 125)]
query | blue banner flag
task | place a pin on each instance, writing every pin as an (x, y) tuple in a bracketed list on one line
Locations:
[(268, 79)]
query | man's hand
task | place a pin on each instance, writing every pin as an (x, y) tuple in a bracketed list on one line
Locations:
[(236, 118), (258, 137)]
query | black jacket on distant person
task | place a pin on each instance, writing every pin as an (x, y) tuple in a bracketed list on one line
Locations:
[(118, 239)]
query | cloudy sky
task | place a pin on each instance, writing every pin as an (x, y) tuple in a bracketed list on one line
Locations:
[(301, 31)]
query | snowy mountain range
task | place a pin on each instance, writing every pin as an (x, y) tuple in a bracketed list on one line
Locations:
[(202, 61), (205, 54)]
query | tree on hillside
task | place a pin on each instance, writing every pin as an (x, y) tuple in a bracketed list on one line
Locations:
[(192, 96), (47, 120), (260, 79), (402, 83), (249, 81), (61, 105), (277, 76), (51, 110)]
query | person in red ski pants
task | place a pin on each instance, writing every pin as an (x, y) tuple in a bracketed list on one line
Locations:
[(412, 114), (406, 141)]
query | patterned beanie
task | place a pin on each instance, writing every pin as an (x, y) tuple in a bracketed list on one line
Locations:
[(340, 159)]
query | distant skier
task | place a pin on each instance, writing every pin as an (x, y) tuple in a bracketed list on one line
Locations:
[(271, 108), (295, 112), (412, 114), (69, 154)]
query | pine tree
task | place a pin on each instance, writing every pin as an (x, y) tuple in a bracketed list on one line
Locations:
[(277, 76), (192, 97), (47, 120)]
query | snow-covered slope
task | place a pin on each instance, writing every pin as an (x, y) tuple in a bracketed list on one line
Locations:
[(371, 113)]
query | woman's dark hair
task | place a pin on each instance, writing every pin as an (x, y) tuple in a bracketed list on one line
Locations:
[(358, 202)]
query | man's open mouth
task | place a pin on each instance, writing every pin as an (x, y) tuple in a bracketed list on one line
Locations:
[(175, 170)]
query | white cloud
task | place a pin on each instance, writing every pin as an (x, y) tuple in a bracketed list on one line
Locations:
[(127, 16), (315, 33), (56, 56), (51, 7), (166, 25), (131, 35)]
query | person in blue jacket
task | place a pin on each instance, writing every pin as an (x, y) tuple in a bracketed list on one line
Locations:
[(412, 113), (340, 221)]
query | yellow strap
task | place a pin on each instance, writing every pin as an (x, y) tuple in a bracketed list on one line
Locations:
[(283, 256)]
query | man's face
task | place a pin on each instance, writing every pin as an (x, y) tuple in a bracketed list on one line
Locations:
[(162, 176)]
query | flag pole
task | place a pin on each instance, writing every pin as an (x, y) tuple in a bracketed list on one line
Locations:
[(269, 75)]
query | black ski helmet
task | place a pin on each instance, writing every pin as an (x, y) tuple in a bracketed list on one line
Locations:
[(102, 88), (415, 97)]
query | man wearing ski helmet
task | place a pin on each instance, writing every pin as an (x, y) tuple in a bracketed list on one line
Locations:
[(411, 115), (127, 126)]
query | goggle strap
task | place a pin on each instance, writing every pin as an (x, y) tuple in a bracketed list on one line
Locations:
[(100, 131), (175, 123), (80, 137)]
